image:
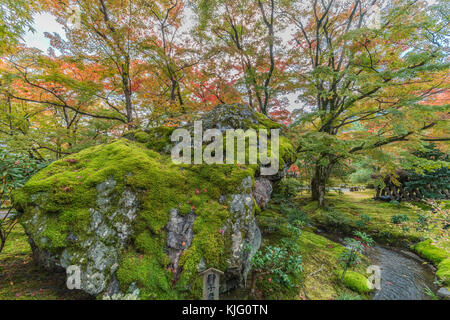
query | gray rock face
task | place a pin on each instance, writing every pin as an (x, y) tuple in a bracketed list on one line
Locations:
[(262, 192), (223, 117), (101, 242), (179, 236), (245, 236), (443, 293)]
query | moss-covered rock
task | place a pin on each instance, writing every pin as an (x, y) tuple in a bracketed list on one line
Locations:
[(133, 222), (432, 253), (355, 281), (438, 256)]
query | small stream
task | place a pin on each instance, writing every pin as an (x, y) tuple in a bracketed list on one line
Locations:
[(404, 276)]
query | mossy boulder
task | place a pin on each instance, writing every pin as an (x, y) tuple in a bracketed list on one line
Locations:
[(432, 253), (438, 256), (133, 222), (355, 281)]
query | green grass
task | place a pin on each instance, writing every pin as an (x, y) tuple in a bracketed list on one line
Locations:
[(21, 279)]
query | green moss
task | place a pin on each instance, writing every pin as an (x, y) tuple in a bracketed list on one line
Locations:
[(159, 138), (196, 201), (287, 152), (142, 137), (346, 212), (443, 272), (148, 274), (320, 258), (265, 122), (427, 250), (62, 194), (355, 281), (440, 257), (185, 209), (54, 235)]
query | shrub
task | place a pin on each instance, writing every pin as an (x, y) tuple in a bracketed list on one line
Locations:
[(281, 262), (289, 187), (277, 262), (293, 213), (422, 221), (360, 224), (15, 170), (399, 218), (353, 247), (337, 221)]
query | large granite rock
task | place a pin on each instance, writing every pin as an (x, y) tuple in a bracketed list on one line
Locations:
[(136, 225)]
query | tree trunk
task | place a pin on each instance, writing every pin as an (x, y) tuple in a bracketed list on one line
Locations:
[(129, 106), (2, 241), (126, 82), (318, 184)]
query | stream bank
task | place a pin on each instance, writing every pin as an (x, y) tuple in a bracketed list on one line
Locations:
[(404, 275)]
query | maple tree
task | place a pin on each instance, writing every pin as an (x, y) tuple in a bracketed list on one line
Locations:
[(364, 85), (247, 34)]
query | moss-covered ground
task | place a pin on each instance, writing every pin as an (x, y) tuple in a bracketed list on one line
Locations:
[(319, 279), (358, 211), (21, 279)]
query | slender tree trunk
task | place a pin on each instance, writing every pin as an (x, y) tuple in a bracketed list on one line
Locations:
[(128, 106), (318, 183), (2, 241), (126, 81), (173, 88)]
